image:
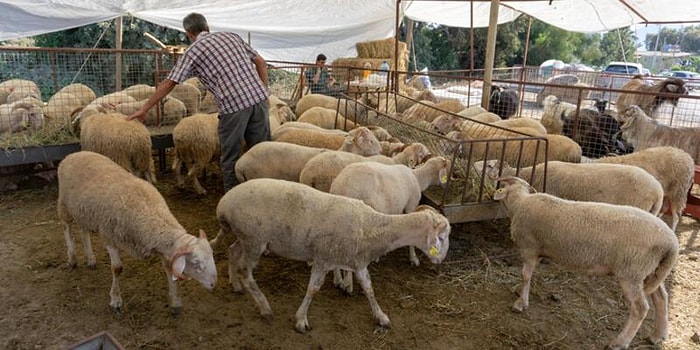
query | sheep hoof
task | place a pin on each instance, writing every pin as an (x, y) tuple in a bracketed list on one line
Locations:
[(616, 347), (302, 326), (382, 329), (176, 310), (72, 264), (654, 340), (91, 266), (518, 307), (267, 318)]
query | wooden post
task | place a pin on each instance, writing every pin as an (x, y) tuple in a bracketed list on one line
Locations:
[(118, 58), (490, 53)]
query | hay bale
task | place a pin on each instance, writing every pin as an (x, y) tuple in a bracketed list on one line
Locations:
[(356, 66), (380, 49)]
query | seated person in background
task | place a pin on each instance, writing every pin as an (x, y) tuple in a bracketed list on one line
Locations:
[(320, 80)]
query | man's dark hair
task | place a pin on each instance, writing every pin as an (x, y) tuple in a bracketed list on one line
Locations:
[(195, 23), (320, 57)]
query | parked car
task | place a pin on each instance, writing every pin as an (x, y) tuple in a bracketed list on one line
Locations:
[(692, 79), (614, 76)]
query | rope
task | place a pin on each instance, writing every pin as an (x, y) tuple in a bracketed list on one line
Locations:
[(89, 54)]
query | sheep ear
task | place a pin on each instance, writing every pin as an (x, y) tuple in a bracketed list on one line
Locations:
[(178, 267), (202, 234), (672, 88)]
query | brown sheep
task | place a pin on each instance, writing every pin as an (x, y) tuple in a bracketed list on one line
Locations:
[(650, 103)]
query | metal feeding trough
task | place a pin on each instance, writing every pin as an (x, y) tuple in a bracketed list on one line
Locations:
[(99, 341)]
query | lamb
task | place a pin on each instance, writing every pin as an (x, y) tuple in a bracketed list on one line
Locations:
[(623, 184), (503, 101), (674, 88), (196, 142), (127, 143), (172, 111), (640, 254), (643, 132), (303, 125), (320, 171), (130, 215), (83, 92), (285, 161), (20, 116), (389, 189), (321, 139), (326, 118), (350, 236), (672, 167)]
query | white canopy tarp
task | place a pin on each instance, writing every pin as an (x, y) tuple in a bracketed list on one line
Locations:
[(297, 30)]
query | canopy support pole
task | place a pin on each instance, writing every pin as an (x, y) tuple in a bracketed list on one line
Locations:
[(118, 58), (490, 53)]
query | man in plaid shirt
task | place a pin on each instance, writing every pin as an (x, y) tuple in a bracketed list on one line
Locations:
[(237, 76)]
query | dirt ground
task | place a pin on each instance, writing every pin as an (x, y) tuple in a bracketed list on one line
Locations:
[(464, 303)]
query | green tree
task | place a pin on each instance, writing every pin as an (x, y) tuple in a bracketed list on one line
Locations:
[(103, 35), (618, 45)]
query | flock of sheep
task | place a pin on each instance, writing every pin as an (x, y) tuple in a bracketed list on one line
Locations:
[(334, 189)]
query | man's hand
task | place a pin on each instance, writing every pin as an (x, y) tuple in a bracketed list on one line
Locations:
[(140, 115)]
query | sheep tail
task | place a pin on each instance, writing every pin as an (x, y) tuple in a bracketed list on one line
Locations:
[(657, 208), (652, 282)]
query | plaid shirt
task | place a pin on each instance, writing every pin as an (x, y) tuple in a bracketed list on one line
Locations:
[(223, 62)]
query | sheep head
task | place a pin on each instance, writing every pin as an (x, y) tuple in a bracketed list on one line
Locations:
[(513, 185), (438, 240), (195, 260)]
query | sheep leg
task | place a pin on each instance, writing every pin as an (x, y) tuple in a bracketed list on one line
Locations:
[(522, 302), (243, 262), (366, 283), (177, 167), (343, 280), (412, 256), (318, 274), (634, 293), (659, 298), (87, 247), (70, 245), (175, 302), (234, 265), (115, 293), (193, 175)]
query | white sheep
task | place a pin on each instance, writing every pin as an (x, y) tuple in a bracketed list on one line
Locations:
[(19, 116), (190, 96), (594, 182), (196, 141), (61, 108), (523, 122), (279, 113), (479, 142), (554, 113), (320, 170), (130, 215), (672, 167), (9, 86), (389, 189), (322, 139), (127, 143), (643, 132), (140, 91), (285, 161), (599, 238), (350, 236), (351, 109), (326, 118)]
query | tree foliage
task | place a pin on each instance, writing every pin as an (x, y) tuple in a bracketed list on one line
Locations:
[(449, 48), (102, 35)]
